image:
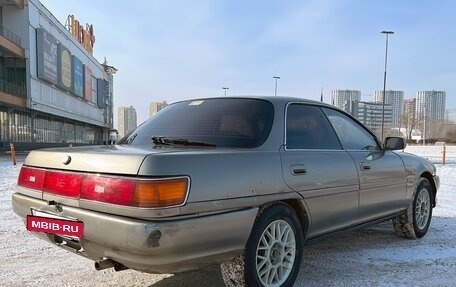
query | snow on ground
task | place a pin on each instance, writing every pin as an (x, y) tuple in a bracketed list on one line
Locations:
[(434, 153), (369, 257)]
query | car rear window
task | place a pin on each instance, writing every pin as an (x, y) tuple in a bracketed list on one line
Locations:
[(234, 122)]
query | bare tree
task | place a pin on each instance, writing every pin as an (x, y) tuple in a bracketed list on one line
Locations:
[(410, 122), (450, 132)]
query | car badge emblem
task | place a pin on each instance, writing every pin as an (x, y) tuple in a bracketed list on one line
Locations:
[(66, 160)]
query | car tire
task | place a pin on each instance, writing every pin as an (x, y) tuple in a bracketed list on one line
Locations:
[(273, 253), (414, 223)]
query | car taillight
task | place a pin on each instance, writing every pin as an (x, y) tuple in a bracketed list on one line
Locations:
[(63, 183), (135, 192), (126, 191), (108, 189), (31, 178), (160, 193)]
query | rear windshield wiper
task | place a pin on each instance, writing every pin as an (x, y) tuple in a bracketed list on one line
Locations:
[(162, 140)]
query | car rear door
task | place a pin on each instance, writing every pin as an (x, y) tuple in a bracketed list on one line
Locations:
[(382, 176), (315, 165)]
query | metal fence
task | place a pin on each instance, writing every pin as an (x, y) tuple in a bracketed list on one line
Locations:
[(12, 89), (10, 35)]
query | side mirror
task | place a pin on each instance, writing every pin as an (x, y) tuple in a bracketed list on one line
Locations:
[(394, 143)]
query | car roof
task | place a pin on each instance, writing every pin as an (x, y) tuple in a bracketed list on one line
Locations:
[(273, 99)]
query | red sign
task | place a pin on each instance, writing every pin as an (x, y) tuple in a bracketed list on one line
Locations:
[(55, 226), (87, 83)]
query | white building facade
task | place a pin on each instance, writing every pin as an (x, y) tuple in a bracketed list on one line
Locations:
[(371, 115), (155, 107), (343, 98), (396, 100), (127, 120), (451, 115), (431, 105)]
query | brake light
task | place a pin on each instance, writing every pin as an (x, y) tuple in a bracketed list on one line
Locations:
[(63, 183), (31, 178), (108, 189)]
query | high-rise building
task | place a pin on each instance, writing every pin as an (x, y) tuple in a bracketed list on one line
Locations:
[(155, 107), (127, 120), (396, 100), (409, 106), (370, 114), (343, 98), (451, 115), (53, 92), (431, 105), (409, 120)]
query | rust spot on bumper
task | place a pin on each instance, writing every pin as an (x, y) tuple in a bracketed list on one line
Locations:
[(154, 238)]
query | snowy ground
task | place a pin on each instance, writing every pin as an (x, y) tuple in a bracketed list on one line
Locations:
[(370, 257)]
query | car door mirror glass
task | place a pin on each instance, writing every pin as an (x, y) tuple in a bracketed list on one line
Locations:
[(395, 143)]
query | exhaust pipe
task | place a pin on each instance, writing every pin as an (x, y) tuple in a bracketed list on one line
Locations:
[(120, 267), (108, 263), (104, 264)]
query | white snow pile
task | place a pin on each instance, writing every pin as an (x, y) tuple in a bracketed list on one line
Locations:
[(369, 257)]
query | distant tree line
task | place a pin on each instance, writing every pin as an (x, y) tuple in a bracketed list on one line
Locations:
[(411, 124)]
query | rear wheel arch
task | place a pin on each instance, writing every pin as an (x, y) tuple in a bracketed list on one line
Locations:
[(273, 252), (301, 212)]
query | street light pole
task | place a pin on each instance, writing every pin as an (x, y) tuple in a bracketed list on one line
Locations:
[(387, 33), (424, 125), (225, 88), (276, 78)]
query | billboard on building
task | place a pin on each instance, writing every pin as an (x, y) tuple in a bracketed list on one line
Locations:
[(87, 83), (78, 77), (102, 91), (64, 68), (46, 46), (94, 90)]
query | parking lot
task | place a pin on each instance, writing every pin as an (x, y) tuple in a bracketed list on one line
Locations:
[(370, 257)]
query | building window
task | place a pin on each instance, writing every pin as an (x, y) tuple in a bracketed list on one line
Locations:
[(13, 76)]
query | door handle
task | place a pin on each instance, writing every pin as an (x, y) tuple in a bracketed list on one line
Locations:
[(364, 166), (298, 169)]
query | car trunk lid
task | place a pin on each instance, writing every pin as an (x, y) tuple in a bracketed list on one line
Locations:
[(99, 175), (113, 159)]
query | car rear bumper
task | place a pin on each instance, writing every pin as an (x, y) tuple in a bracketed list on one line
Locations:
[(165, 246)]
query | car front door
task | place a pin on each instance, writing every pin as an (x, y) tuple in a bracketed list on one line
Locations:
[(315, 165), (381, 172)]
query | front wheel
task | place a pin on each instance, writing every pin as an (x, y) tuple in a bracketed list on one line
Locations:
[(273, 254), (414, 223)]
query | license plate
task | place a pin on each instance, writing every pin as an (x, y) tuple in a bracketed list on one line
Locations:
[(54, 224)]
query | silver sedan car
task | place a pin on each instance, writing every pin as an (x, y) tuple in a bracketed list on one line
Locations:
[(244, 182)]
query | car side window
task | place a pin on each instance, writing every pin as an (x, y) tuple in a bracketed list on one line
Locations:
[(351, 134), (308, 128)]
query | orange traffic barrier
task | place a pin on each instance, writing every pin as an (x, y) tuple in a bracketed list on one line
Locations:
[(13, 153)]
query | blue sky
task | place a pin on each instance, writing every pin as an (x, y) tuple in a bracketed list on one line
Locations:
[(174, 50)]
